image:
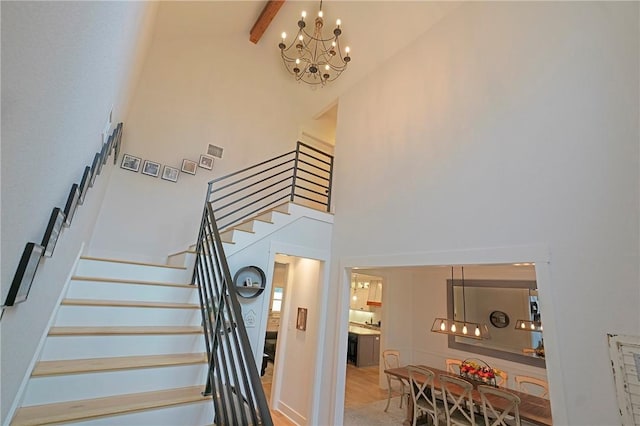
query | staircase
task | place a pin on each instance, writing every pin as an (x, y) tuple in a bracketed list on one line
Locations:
[(126, 347)]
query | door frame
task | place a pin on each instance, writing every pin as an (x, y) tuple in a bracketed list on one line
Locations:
[(323, 256)]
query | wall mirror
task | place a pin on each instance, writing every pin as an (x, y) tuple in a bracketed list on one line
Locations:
[(499, 304)]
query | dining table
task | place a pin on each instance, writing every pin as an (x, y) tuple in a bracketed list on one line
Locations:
[(533, 409)]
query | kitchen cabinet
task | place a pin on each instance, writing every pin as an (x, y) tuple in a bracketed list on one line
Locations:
[(363, 348), (368, 351), (359, 298), (374, 296)]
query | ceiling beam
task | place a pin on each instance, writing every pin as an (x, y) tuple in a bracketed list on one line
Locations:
[(268, 13)]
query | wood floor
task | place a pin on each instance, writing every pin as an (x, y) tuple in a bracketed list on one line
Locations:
[(362, 389)]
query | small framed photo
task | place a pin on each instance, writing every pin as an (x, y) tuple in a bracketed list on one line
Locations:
[(206, 162), (189, 166), (301, 321), (170, 173), (70, 206), (53, 231), (151, 168), (104, 152), (23, 278), (84, 184), (129, 162), (95, 168)]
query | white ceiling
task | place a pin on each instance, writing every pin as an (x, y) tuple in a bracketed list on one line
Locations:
[(374, 30)]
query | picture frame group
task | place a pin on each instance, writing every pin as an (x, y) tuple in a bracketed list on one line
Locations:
[(153, 169)]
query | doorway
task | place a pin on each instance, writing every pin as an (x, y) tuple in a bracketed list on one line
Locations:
[(292, 325)]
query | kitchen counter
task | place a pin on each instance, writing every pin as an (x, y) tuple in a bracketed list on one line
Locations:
[(362, 331)]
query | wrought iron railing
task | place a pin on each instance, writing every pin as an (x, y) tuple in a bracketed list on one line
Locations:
[(303, 175), (233, 380)]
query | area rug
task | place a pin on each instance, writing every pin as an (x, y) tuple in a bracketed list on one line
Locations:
[(373, 414)]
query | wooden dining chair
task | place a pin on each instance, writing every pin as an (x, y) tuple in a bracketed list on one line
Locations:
[(423, 394), (458, 401), (507, 415), (501, 378), (391, 359), (528, 384), (453, 365)]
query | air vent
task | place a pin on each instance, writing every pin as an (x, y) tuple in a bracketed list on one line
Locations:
[(215, 151)]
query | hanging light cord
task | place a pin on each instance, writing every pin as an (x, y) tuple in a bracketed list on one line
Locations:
[(464, 300)]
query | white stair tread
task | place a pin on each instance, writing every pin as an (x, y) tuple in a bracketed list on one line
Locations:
[(100, 407), (130, 262), (126, 281), (73, 366), (105, 331), (128, 303)]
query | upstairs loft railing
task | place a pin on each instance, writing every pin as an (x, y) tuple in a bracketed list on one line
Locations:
[(233, 380), (303, 175)]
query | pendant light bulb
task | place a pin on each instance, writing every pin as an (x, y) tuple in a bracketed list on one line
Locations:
[(464, 329), (453, 328), (477, 332), (443, 326)]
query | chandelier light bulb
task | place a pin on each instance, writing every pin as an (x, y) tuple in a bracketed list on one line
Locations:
[(327, 67), (355, 297), (333, 44), (443, 326), (319, 14), (284, 35), (338, 22), (533, 326), (298, 63), (301, 37), (464, 329), (347, 50), (522, 325), (304, 14)]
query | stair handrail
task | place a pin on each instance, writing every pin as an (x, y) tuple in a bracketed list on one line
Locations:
[(233, 380), (304, 174)]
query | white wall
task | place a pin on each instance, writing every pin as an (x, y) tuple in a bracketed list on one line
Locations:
[(65, 65), (508, 125), (194, 91)]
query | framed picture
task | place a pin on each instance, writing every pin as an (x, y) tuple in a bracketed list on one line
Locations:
[(206, 162), (129, 162), (70, 206), (215, 151), (301, 321), (170, 173), (53, 231), (189, 166), (23, 278), (104, 152), (84, 184), (151, 168), (116, 143), (94, 168)]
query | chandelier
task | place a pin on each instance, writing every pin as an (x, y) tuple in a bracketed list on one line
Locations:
[(314, 58), (462, 328)]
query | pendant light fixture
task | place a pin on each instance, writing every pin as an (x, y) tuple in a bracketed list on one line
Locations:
[(527, 324), (462, 328), (313, 57)]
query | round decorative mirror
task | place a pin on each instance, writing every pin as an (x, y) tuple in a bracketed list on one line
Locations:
[(499, 319)]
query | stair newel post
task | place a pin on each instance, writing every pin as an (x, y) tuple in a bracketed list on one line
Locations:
[(295, 172)]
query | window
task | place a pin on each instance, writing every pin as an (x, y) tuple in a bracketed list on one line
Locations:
[(276, 300)]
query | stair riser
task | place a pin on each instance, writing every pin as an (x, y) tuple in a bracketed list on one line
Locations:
[(131, 292), (80, 347), (121, 316), (46, 390), (195, 414), (102, 269)]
